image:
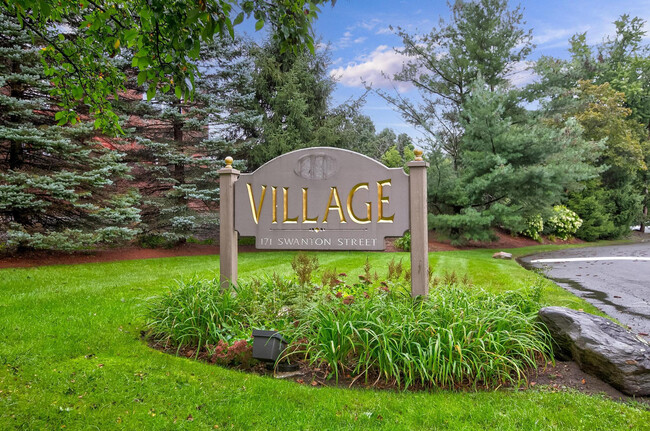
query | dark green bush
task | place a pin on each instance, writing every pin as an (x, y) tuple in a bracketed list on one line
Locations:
[(606, 213), (156, 241), (471, 225), (246, 240)]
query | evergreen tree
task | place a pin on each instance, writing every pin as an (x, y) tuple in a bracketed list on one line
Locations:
[(483, 38), (492, 162), (57, 184), (601, 111), (345, 127), (178, 146), (293, 93), (508, 172)]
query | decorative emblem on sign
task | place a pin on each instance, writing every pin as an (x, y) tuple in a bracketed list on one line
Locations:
[(322, 199), (316, 167)]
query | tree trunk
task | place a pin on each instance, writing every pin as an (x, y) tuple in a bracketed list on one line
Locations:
[(17, 152), (179, 168)]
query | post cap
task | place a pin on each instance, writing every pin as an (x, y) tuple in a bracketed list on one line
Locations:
[(229, 161), (418, 154)]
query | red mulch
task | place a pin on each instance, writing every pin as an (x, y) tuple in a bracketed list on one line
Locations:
[(558, 377), (42, 258), (504, 240)]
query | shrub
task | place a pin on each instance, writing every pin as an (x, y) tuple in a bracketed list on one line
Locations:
[(195, 240), (156, 241), (246, 240), (534, 228), (564, 223), (470, 225), (404, 242), (370, 329), (454, 337)]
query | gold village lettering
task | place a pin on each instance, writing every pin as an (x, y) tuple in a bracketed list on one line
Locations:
[(333, 204)]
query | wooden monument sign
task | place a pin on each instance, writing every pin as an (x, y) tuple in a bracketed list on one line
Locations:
[(324, 199)]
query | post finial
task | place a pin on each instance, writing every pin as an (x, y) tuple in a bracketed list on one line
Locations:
[(418, 154), (229, 161)]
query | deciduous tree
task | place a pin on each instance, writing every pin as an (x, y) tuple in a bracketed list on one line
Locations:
[(162, 38)]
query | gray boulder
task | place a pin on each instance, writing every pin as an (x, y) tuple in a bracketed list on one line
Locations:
[(601, 348)]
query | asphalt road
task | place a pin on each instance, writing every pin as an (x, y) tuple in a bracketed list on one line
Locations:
[(616, 279)]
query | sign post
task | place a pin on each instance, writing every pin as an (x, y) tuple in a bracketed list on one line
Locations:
[(419, 229), (325, 199), (227, 233)]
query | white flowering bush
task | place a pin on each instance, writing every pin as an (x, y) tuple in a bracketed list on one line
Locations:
[(564, 223), (534, 227)]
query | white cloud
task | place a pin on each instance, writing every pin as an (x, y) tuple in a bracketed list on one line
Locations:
[(522, 74), (553, 35), (369, 25), (365, 25), (375, 69), (378, 68), (360, 39), (384, 30), (347, 34)]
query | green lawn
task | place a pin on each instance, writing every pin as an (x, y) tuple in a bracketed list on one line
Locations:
[(71, 355)]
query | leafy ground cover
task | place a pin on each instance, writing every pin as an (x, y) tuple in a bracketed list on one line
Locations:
[(71, 355)]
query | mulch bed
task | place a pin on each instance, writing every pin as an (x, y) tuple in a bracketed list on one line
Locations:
[(562, 376), (42, 258)]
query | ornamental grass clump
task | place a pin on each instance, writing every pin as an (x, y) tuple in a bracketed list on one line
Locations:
[(197, 313), (367, 330), (454, 338)]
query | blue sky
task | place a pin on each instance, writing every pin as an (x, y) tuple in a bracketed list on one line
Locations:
[(361, 44)]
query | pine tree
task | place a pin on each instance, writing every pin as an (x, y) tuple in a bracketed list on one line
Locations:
[(482, 38), (293, 93), (178, 145), (57, 184), (508, 172)]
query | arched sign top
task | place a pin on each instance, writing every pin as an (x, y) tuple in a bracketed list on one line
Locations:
[(322, 198), (321, 158)]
